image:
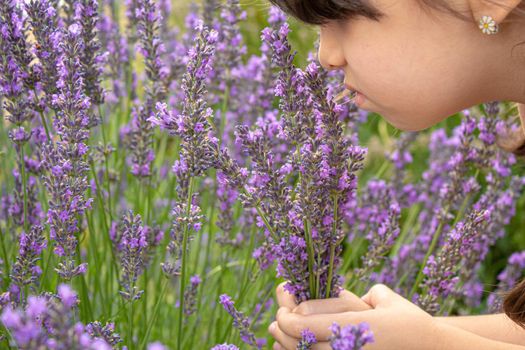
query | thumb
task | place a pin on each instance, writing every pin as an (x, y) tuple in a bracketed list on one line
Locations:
[(379, 296)]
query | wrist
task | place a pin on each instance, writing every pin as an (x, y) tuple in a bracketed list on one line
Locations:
[(439, 335), (443, 334)]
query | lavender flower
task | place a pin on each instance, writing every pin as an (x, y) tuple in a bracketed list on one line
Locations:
[(241, 322), (441, 271), (156, 346), (65, 159), (230, 50), (33, 210), (117, 58), (16, 101), (308, 339), (140, 138), (172, 265), (227, 196), (305, 233), (190, 295), (26, 271), (446, 187), (154, 235), (131, 244), (507, 279), (198, 148), (151, 48), (401, 158), (381, 213), (105, 332), (49, 322), (225, 347), (209, 11), (13, 27), (44, 23), (25, 325), (91, 59), (69, 7), (351, 337)]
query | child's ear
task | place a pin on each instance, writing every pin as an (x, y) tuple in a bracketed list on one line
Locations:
[(497, 9)]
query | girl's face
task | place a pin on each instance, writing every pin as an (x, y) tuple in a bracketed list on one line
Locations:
[(417, 65)]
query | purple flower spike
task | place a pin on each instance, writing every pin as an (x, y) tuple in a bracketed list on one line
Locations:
[(308, 339), (26, 271), (225, 347), (240, 321), (66, 159), (351, 337), (50, 322), (131, 245), (190, 295), (441, 271)]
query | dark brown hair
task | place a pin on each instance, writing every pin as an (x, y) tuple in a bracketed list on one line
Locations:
[(320, 12)]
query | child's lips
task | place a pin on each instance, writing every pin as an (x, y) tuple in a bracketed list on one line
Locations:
[(357, 97)]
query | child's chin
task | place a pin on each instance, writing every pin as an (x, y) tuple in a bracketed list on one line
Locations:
[(408, 125)]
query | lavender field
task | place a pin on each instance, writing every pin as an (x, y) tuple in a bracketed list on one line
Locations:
[(165, 166)]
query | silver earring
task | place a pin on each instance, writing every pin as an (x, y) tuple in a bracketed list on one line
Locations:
[(488, 25)]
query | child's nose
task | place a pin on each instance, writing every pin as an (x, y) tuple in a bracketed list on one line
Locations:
[(331, 55)]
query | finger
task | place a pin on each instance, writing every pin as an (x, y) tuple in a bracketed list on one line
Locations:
[(283, 339), (380, 296), (285, 342), (293, 323), (284, 298), (346, 302)]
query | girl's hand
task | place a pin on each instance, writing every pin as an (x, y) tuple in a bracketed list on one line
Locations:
[(395, 322)]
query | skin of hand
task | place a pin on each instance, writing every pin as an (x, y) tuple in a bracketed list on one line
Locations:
[(400, 324), (468, 332), (497, 327)]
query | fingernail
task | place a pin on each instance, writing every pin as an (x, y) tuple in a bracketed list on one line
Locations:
[(277, 346), (272, 327)]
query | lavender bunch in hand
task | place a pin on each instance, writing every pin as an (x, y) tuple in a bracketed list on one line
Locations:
[(304, 233)]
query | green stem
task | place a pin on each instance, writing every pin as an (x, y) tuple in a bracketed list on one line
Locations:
[(412, 215), (42, 117), (24, 185), (332, 249), (145, 297), (130, 326), (318, 277), (154, 315), (433, 244), (272, 233), (93, 245), (310, 251), (183, 267), (85, 295), (350, 258), (435, 239), (46, 268), (4, 252)]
